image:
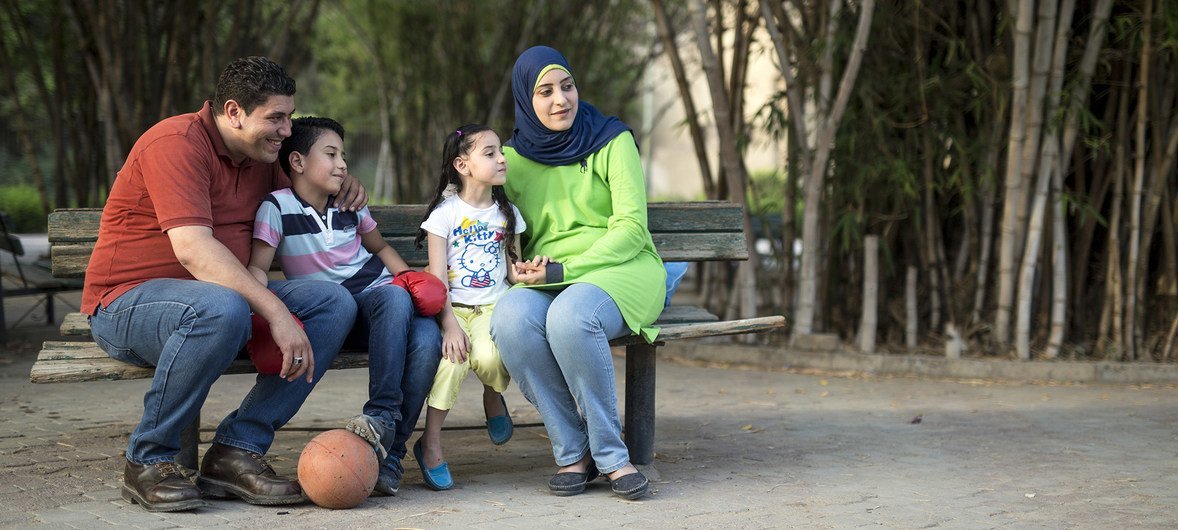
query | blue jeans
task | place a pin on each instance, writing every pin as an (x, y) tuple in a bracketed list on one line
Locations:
[(403, 354), (556, 346), (190, 331)]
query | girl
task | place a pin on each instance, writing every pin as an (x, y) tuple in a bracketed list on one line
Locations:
[(471, 230)]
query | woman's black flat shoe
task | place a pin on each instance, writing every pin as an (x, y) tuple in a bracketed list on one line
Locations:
[(571, 483), (630, 487)]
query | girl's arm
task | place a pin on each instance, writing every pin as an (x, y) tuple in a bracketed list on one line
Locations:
[(512, 278), (261, 257), (376, 244), (455, 343)]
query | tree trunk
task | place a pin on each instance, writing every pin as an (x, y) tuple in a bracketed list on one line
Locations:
[(815, 182), (730, 159), (910, 329), (1011, 232), (1132, 328), (870, 316), (1059, 287), (667, 36)]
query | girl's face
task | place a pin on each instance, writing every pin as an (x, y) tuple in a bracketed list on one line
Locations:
[(555, 100), (484, 163), (324, 167)]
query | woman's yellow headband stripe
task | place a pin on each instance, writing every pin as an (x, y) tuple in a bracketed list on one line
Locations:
[(547, 69)]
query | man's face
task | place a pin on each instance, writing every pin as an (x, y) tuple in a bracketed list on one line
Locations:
[(260, 133)]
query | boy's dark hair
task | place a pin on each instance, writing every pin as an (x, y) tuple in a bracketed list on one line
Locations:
[(250, 81), (459, 142), (304, 132)]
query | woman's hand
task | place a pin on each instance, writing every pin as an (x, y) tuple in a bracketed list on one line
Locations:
[(533, 271), (455, 343)]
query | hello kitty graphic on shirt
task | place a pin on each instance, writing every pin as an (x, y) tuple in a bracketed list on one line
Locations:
[(476, 260)]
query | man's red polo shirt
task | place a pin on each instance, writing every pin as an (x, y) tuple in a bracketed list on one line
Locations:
[(178, 174)]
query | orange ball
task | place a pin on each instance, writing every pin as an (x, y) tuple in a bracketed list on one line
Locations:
[(337, 469)]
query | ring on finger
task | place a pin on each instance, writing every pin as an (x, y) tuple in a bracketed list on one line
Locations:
[(298, 360)]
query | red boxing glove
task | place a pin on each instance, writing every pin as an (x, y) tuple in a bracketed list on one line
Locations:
[(263, 352), (426, 290)]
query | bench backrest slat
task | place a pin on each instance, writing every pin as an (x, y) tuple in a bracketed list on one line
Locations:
[(682, 231)]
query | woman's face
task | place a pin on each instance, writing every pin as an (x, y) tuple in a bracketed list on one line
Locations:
[(555, 100)]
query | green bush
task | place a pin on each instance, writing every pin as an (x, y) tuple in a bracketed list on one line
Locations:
[(22, 203)]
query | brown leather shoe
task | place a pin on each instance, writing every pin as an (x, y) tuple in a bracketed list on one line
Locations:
[(160, 488), (231, 472)]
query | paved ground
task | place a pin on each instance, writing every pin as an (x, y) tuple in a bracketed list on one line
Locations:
[(735, 448)]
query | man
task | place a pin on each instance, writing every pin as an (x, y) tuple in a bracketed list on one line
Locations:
[(167, 286)]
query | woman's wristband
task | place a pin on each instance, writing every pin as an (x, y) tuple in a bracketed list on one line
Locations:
[(553, 273)]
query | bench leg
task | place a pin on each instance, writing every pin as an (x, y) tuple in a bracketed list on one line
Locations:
[(640, 403), (189, 440), (50, 318)]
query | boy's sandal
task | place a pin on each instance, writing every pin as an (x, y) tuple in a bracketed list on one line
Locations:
[(437, 478), (571, 482), (630, 487), (500, 428)]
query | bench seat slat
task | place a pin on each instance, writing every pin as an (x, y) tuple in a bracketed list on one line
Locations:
[(76, 325), (64, 362)]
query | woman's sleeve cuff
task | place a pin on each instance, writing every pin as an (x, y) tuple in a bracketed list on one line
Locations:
[(553, 273)]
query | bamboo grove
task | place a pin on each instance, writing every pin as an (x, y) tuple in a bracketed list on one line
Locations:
[(1014, 160), (992, 176)]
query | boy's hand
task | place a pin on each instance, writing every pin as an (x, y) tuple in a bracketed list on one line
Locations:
[(455, 343), (352, 196)]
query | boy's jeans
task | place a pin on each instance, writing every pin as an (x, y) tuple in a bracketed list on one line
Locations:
[(403, 353), (556, 346), (190, 331)]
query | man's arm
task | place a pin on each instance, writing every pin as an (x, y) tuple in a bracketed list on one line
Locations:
[(207, 259)]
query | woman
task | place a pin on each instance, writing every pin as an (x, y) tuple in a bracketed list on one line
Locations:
[(575, 176)]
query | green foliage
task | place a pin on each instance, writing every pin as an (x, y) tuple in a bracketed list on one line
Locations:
[(23, 205), (440, 65)]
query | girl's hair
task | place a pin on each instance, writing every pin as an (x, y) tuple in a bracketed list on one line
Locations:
[(459, 142)]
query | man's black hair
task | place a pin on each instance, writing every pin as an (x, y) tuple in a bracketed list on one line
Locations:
[(250, 81)]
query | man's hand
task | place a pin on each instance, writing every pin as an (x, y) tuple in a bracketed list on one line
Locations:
[(352, 195), (297, 357)]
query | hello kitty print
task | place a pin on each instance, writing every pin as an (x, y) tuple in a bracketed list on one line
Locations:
[(476, 261)]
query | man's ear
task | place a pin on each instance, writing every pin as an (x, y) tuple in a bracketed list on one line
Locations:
[(460, 165), (234, 113)]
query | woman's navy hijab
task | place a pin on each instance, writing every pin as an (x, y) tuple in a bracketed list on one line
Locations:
[(591, 129)]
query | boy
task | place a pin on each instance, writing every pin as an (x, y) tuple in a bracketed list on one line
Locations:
[(314, 241)]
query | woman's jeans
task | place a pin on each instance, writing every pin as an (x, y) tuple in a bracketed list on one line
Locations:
[(191, 331), (556, 346), (403, 353)]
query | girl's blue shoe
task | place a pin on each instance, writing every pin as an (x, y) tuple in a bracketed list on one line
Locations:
[(438, 478), (500, 428)]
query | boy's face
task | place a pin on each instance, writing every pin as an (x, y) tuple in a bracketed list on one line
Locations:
[(324, 167)]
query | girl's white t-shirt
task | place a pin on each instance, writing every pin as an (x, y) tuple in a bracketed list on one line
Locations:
[(476, 258)]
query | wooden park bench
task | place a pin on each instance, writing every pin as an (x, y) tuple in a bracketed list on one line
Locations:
[(690, 231), (28, 279)]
